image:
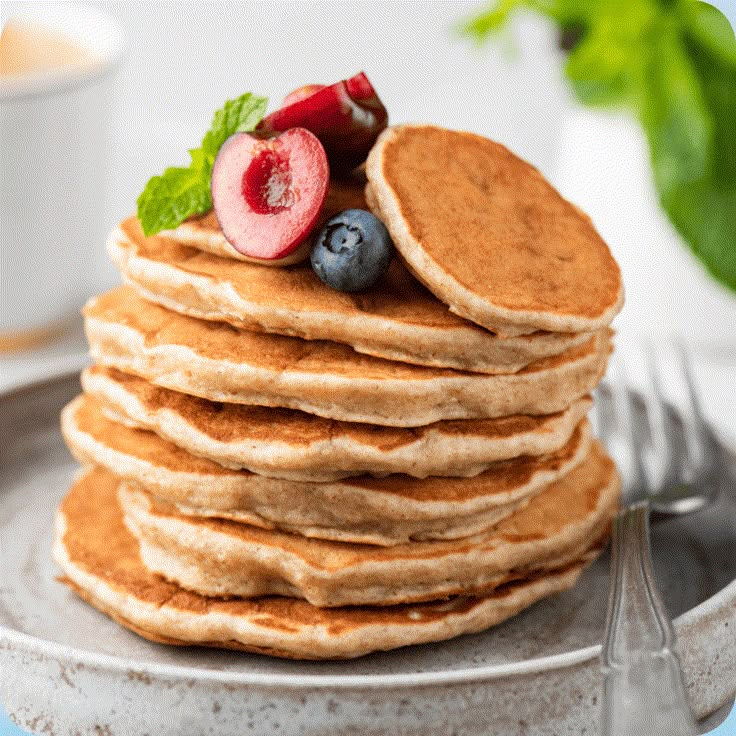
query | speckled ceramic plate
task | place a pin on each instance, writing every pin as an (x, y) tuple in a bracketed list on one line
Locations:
[(67, 669)]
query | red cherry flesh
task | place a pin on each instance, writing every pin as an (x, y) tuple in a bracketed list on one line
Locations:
[(268, 193)]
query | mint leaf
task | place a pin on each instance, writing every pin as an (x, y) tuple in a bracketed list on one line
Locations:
[(711, 28), (705, 215), (179, 193), (492, 20), (599, 69), (170, 198), (704, 211), (673, 112)]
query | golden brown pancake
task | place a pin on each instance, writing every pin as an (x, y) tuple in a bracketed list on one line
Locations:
[(397, 318), (221, 363), (218, 557), (296, 446), (203, 231), (101, 562), (488, 235), (385, 511)]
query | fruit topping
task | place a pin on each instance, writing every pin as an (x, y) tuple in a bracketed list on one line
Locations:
[(346, 116), (268, 193), (352, 251), (300, 93)]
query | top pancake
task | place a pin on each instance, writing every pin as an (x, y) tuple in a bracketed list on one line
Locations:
[(397, 318), (489, 235), (203, 231)]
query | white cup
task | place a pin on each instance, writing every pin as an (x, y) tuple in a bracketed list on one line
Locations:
[(52, 171)]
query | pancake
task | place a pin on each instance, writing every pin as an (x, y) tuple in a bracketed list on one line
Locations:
[(391, 510), (216, 557), (203, 231), (293, 445), (101, 563), (397, 319), (219, 362), (488, 235)]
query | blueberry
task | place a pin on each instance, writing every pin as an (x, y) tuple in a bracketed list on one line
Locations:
[(352, 251)]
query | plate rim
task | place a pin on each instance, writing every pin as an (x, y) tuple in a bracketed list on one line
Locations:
[(114, 664)]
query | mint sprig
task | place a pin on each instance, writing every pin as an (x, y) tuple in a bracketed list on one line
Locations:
[(673, 63), (178, 193)]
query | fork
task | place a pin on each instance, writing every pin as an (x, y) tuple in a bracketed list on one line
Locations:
[(670, 465)]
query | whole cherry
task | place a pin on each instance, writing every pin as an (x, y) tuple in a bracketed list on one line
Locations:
[(346, 116)]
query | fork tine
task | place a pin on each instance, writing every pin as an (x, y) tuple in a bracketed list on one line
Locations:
[(663, 449), (641, 475), (624, 443), (693, 397), (700, 444)]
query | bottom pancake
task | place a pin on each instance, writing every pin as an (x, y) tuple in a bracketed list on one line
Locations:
[(101, 562)]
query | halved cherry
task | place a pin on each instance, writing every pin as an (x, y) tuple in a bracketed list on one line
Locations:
[(268, 193), (346, 116)]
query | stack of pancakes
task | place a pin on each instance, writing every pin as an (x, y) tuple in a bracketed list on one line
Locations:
[(275, 466)]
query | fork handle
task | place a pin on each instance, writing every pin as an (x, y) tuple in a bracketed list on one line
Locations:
[(643, 690)]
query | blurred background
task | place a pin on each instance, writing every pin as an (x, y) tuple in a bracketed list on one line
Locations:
[(173, 64)]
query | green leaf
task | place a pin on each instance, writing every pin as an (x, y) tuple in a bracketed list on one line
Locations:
[(599, 69), (704, 211), (705, 215), (199, 160), (496, 15), (716, 69), (170, 198), (492, 20), (710, 27), (672, 110), (179, 193), (602, 67)]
